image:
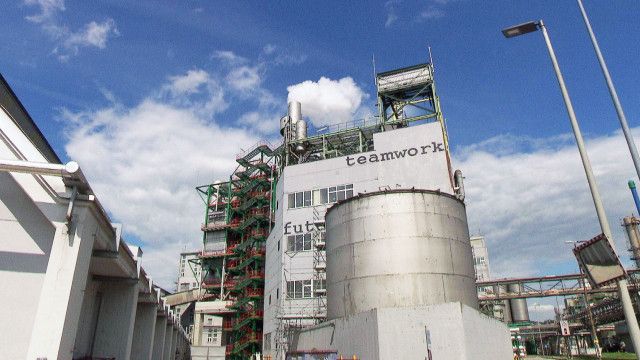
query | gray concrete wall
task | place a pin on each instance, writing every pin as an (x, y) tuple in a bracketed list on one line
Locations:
[(207, 352), (456, 332), (143, 331)]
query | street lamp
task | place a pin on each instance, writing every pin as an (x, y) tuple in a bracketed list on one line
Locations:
[(537, 306), (612, 91), (627, 306)]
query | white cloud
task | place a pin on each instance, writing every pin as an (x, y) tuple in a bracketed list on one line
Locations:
[(196, 90), (262, 123), (229, 57), (432, 12), (94, 34), (143, 163), (328, 101), (532, 197), (269, 49), (189, 83), (48, 8), (68, 42), (392, 16), (244, 78)]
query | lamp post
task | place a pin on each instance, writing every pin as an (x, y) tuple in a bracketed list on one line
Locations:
[(537, 306), (627, 306), (612, 91)]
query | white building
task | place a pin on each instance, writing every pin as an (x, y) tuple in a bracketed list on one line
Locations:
[(294, 281), (480, 258), (407, 149), (189, 272), (71, 286)]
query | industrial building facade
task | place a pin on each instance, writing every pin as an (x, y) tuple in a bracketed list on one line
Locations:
[(295, 267), (71, 287), (264, 261)]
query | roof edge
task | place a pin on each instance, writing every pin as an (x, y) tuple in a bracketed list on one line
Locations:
[(17, 112)]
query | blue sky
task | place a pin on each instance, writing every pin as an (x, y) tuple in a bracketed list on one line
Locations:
[(150, 88)]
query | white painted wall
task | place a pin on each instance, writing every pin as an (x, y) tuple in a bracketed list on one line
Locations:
[(457, 332)]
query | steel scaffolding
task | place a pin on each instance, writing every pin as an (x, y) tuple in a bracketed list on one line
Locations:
[(238, 220)]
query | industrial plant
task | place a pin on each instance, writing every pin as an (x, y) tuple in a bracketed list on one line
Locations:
[(331, 242), (352, 241), (343, 241)]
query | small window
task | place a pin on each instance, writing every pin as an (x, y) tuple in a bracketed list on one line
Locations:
[(292, 201), (307, 198), (324, 196), (299, 242), (332, 195), (307, 242), (291, 243), (299, 199), (278, 245)]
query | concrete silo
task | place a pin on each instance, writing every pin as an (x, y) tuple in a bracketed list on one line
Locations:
[(397, 249)]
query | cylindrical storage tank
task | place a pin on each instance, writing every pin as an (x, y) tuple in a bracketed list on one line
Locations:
[(283, 124), (398, 248), (295, 111), (519, 309), (301, 130)]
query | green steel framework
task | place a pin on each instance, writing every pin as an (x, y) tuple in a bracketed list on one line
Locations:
[(235, 271)]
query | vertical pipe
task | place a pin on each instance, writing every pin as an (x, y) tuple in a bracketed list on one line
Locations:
[(634, 193), (632, 322), (612, 91), (631, 226)]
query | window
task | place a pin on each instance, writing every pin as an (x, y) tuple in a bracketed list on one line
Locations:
[(292, 201), (320, 196), (340, 192), (320, 284), (299, 289), (300, 242)]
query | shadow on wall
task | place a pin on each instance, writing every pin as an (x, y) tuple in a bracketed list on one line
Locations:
[(26, 234)]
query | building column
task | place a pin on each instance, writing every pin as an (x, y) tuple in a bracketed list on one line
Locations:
[(114, 333), (168, 337), (143, 331), (158, 338), (197, 328), (61, 297), (174, 340)]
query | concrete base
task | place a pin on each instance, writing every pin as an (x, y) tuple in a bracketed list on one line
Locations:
[(455, 332), (207, 352)]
